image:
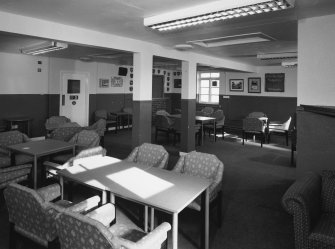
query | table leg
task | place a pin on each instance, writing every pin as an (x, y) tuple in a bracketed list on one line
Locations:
[(35, 172), (205, 218), (61, 183), (152, 219), (202, 133), (146, 219), (214, 130), (175, 231)]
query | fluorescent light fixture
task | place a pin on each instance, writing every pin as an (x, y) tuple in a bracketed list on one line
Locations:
[(277, 56), (292, 63), (44, 47), (212, 12), (232, 40)]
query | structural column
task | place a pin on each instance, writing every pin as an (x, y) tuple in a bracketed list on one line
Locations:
[(188, 105), (142, 98)]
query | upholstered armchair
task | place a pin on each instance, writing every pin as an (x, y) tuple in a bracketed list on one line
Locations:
[(176, 131), (219, 123), (83, 140), (54, 122), (163, 123), (10, 138), (64, 133), (206, 111), (33, 215), (100, 127), (149, 154), (13, 174), (254, 126), (111, 120), (78, 231), (206, 166), (311, 202), (279, 127)]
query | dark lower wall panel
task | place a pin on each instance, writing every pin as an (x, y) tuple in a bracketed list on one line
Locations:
[(276, 108), (54, 104), (35, 106)]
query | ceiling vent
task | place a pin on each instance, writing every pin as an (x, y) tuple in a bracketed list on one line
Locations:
[(232, 40), (278, 56)]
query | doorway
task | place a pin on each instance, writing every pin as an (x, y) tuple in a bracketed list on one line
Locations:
[(74, 98)]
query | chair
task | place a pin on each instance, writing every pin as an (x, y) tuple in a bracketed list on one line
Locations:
[(253, 126), (64, 133), (256, 115), (111, 120), (176, 131), (13, 174), (32, 214), (54, 122), (283, 128), (149, 154), (310, 200), (83, 140), (77, 231), (163, 123), (100, 128), (206, 111), (10, 138), (206, 166), (219, 123)]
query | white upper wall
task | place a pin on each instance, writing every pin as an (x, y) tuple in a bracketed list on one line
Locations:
[(290, 85), (20, 74), (316, 61)]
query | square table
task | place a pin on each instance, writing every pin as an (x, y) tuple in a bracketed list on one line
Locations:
[(41, 148), (157, 188)]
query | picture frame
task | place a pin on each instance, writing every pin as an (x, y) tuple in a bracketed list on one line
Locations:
[(254, 85), (274, 82), (236, 85), (103, 83)]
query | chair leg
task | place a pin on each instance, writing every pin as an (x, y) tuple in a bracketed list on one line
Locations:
[(286, 135), (243, 135), (219, 208), (12, 236), (262, 139)]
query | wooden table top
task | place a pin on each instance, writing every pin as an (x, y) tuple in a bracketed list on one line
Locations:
[(41, 147), (158, 188)]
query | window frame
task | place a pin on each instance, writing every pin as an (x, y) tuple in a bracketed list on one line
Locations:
[(210, 94)]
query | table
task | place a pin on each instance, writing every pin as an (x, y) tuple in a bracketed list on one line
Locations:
[(202, 120), (41, 148), (172, 192), (22, 123), (121, 115)]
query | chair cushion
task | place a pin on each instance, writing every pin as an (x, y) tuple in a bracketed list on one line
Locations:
[(328, 191), (323, 235)]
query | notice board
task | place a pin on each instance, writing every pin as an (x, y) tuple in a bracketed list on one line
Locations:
[(274, 82)]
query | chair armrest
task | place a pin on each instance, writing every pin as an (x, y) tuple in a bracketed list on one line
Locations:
[(50, 192), (15, 168), (179, 165), (104, 214), (151, 240), (85, 205), (302, 200), (133, 155), (163, 163)]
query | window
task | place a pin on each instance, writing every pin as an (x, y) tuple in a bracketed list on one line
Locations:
[(209, 88)]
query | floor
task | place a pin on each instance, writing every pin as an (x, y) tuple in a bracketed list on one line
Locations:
[(254, 181)]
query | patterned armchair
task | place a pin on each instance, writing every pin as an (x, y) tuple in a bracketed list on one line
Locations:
[(78, 231), (254, 126), (83, 140), (10, 138), (149, 154), (205, 166), (100, 128), (219, 123), (54, 122), (32, 214), (64, 133), (14, 174), (111, 120), (311, 201), (206, 111)]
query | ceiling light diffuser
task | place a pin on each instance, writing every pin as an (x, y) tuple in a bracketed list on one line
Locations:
[(212, 12), (278, 56), (44, 47)]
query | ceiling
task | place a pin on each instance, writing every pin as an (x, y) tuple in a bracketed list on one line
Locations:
[(125, 17)]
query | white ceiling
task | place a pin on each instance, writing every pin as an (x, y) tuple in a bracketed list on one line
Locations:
[(125, 17)]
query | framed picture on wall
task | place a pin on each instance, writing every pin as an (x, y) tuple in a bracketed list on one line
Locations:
[(275, 82), (236, 85), (254, 85), (103, 83)]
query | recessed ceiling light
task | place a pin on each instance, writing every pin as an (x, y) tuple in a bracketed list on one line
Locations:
[(232, 40)]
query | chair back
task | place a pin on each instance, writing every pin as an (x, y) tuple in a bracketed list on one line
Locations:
[(253, 125), (28, 211), (65, 133), (286, 125), (100, 114), (77, 231), (99, 126), (256, 115), (86, 138), (220, 117), (127, 110), (207, 111), (10, 138), (163, 121)]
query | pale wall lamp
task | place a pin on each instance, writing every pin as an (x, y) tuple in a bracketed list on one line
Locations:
[(214, 11), (44, 47)]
